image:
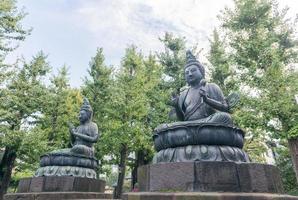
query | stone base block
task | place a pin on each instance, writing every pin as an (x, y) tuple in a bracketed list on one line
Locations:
[(57, 196), (60, 184), (210, 176), (205, 196)]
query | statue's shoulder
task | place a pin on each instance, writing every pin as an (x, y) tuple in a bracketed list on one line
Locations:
[(93, 126), (213, 86), (214, 91)]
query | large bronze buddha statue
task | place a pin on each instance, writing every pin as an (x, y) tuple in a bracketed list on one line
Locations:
[(79, 160), (204, 130), (201, 101)]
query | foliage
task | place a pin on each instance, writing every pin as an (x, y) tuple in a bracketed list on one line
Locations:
[(11, 29), (61, 108), (221, 72), (22, 97), (261, 47), (22, 94), (97, 88), (129, 106), (173, 61), (285, 165)]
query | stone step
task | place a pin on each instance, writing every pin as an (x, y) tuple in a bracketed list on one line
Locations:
[(205, 196), (57, 196)]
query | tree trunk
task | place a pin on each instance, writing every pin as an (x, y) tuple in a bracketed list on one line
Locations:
[(293, 146), (140, 160), (6, 167), (121, 173)]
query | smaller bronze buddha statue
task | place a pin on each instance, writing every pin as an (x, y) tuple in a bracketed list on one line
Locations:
[(85, 134), (78, 160)]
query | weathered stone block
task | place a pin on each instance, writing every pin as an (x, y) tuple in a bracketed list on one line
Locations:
[(61, 184), (144, 177), (167, 177), (55, 183), (36, 184), (216, 176), (210, 176), (81, 184), (24, 185), (255, 177)]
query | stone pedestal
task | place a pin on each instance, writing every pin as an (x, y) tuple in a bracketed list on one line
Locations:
[(209, 180), (59, 187), (209, 176)]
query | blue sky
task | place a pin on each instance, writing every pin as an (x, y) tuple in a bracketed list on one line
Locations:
[(69, 31)]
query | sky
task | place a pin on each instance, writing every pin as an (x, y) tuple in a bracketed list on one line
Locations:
[(70, 31)]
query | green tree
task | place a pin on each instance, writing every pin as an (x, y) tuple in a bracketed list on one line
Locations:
[(283, 161), (130, 102), (50, 130), (61, 108), (225, 76), (221, 72), (157, 112), (130, 112), (11, 30), (97, 88), (262, 46), (21, 95), (173, 61)]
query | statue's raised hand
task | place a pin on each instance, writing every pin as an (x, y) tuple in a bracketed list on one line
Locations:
[(203, 94), (71, 128)]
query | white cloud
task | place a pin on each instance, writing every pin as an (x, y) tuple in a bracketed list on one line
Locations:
[(70, 31), (119, 23)]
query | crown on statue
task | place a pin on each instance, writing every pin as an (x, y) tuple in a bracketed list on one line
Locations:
[(191, 60), (86, 105)]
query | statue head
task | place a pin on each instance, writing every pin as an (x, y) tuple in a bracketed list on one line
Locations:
[(85, 111), (194, 71)]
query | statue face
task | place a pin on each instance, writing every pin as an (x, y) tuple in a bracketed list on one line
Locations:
[(83, 116), (193, 75)]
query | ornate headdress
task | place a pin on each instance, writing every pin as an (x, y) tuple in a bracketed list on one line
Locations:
[(86, 106), (191, 60)]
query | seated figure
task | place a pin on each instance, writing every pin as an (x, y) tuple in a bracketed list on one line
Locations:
[(85, 134), (205, 130), (78, 160), (202, 101)]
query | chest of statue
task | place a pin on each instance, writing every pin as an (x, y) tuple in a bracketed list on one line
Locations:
[(85, 129), (193, 105), (192, 98)]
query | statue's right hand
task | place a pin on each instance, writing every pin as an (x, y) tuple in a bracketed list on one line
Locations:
[(71, 128), (174, 99)]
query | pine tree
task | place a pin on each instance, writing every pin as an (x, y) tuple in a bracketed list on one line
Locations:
[(11, 30), (22, 96), (173, 61), (97, 88), (61, 108)]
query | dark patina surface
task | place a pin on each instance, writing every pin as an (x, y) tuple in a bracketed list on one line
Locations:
[(204, 130), (78, 161)]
